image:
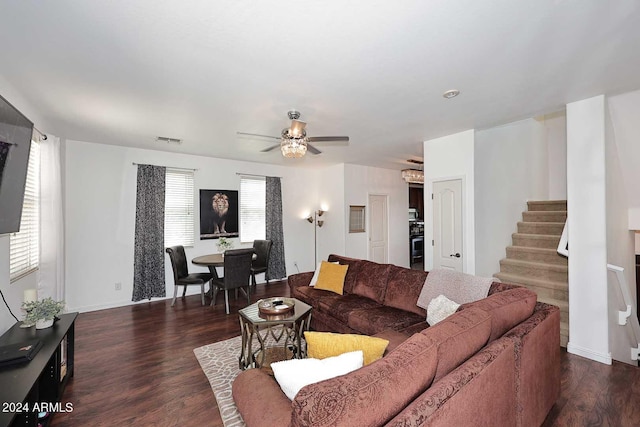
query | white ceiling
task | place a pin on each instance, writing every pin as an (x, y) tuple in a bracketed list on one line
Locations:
[(123, 72)]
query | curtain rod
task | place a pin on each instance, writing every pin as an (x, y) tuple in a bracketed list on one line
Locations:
[(260, 176), (168, 167), (43, 136)]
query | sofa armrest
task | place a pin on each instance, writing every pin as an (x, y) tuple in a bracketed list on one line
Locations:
[(298, 280), (260, 399)]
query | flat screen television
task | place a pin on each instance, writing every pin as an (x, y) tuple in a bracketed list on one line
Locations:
[(15, 145)]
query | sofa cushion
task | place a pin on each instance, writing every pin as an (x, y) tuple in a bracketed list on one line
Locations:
[(352, 272), (480, 392), (373, 394), (459, 337), (403, 288), (507, 309), (331, 277), (372, 280), (321, 345), (340, 308), (312, 296), (373, 320)]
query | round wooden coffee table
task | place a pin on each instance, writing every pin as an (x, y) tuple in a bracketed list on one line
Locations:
[(279, 337)]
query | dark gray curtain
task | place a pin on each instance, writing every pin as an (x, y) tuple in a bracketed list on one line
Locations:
[(273, 217), (148, 269)]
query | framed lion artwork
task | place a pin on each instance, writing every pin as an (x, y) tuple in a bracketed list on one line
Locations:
[(218, 214)]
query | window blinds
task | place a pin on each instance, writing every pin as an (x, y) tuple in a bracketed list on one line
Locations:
[(25, 244), (252, 208)]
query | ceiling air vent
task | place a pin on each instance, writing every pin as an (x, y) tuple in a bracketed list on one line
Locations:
[(169, 140)]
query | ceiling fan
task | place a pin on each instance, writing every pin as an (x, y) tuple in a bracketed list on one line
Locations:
[(294, 141)]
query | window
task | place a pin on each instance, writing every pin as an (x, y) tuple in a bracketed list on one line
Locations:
[(253, 195), (25, 244), (178, 210), (356, 219)]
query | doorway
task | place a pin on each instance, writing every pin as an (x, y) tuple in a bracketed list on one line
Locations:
[(378, 226), (416, 226), (447, 225)]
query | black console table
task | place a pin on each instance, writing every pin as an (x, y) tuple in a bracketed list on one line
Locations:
[(40, 382)]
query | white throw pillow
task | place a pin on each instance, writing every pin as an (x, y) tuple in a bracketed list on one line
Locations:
[(440, 308), (294, 374), (314, 279)]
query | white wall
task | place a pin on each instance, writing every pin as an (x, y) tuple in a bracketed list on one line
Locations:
[(511, 167), (625, 110), (330, 197), (362, 181), (14, 292), (586, 193), (556, 135), (451, 157), (100, 216), (620, 249)]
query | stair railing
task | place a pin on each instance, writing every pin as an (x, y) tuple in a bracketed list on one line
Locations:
[(624, 315), (563, 245)]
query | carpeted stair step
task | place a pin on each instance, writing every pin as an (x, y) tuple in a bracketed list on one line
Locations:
[(535, 270), (535, 240), (547, 228), (544, 288), (547, 205), (544, 216), (545, 255)]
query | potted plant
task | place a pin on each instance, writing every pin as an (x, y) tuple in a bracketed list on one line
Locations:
[(224, 244), (42, 312)]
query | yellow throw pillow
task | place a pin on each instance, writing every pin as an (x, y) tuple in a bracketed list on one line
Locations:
[(331, 277), (328, 344)]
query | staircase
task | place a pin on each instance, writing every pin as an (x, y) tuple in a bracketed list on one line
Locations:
[(532, 260)]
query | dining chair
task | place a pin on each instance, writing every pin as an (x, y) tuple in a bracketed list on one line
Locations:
[(181, 276), (262, 249), (237, 271)]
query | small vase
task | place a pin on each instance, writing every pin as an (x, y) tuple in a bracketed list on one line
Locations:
[(44, 323)]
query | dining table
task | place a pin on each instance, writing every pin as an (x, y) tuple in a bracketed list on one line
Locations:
[(212, 261)]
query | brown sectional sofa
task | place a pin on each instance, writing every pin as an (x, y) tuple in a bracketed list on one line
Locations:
[(495, 362)]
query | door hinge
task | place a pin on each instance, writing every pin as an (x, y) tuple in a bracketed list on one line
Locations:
[(433, 243), (431, 196)]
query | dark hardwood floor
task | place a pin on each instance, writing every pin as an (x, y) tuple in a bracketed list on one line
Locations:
[(135, 367)]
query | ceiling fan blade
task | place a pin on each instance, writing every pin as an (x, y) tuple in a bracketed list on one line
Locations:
[(257, 134), (336, 140), (273, 147), (312, 149), (297, 127)]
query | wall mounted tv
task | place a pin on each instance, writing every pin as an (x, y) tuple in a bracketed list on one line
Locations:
[(15, 145)]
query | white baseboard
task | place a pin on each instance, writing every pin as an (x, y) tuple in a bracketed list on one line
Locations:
[(96, 307), (589, 354)]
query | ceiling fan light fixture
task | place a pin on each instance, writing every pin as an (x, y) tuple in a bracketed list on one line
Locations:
[(293, 147)]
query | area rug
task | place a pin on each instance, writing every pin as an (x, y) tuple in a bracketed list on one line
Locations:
[(219, 361)]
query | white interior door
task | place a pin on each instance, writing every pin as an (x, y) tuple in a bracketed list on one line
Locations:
[(447, 224), (378, 226)]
